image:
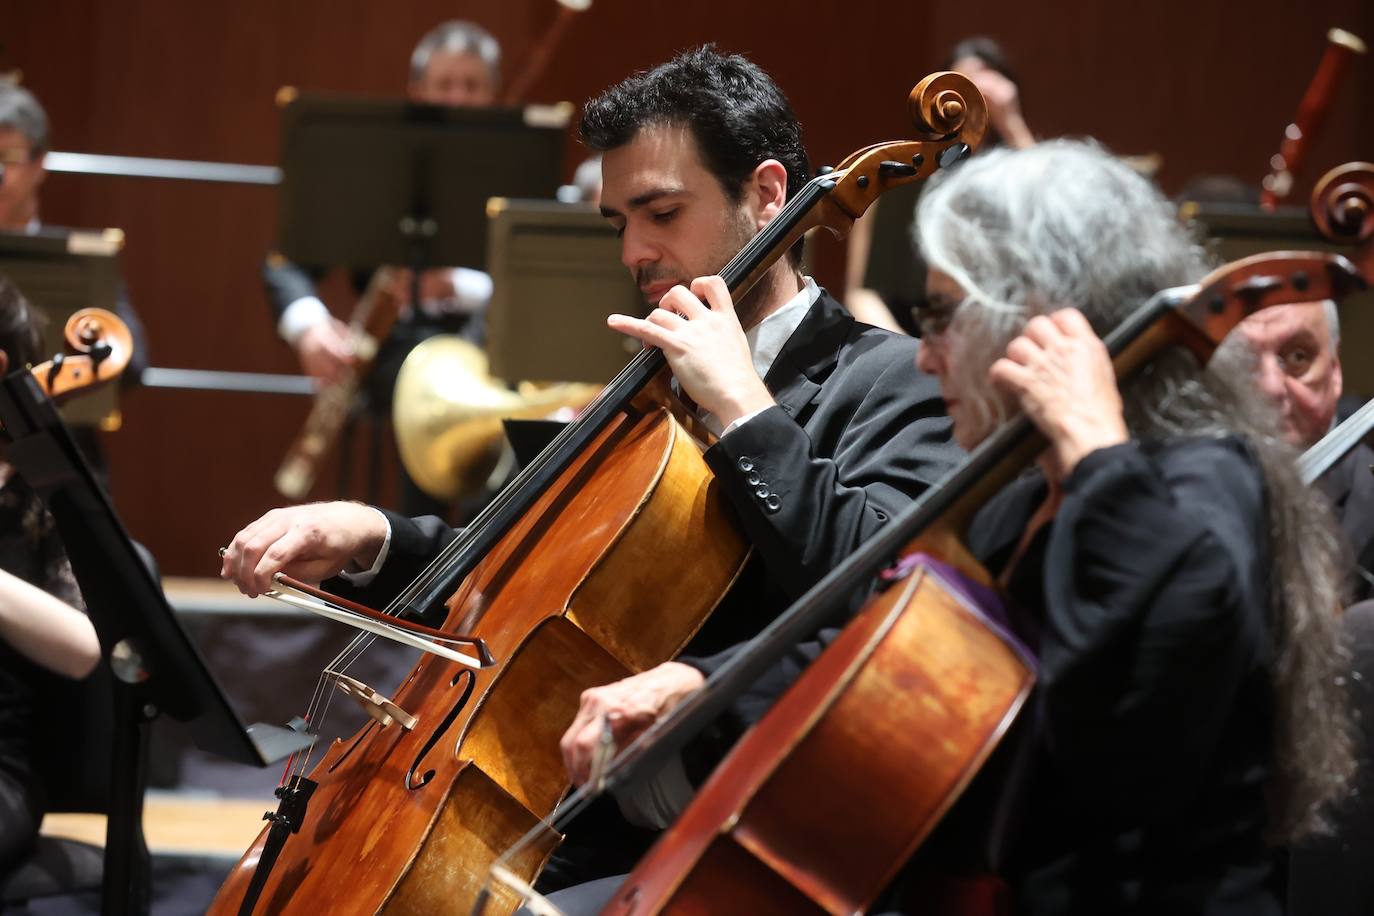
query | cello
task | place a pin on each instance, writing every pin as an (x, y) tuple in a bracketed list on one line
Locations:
[(552, 578), (900, 711), (1343, 211)]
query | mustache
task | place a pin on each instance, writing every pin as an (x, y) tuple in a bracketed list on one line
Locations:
[(653, 273)]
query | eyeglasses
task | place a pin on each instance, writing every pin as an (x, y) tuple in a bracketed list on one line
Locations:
[(933, 318)]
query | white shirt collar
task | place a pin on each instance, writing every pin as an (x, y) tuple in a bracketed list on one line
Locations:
[(767, 338)]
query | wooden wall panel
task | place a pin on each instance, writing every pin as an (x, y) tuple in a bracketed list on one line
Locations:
[(1207, 86)]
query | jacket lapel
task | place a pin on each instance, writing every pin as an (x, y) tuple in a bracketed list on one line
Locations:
[(809, 355)]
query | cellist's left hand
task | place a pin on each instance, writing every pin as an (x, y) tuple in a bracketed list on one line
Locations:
[(1061, 374), (700, 334), (629, 706)]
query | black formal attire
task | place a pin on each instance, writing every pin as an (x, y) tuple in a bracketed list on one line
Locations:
[(30, 549), (1350, 487), (287, 283), (1330, 873), (856, 434), (1149, 601), (1146, 744)]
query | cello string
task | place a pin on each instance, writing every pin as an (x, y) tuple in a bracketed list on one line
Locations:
[(734, 271), (315, 715), (445, 559), (1319, 459)]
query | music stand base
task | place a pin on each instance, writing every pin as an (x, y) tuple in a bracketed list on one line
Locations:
[(126, 884)]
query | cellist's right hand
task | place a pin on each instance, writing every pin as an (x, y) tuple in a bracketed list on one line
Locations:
[(309, 543), (325, 350)]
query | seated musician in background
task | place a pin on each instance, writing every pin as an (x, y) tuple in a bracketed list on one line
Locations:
[(24, 141), (826, 428), (1176, 580), (1298, 367), (884, 291), (43, 631), (458, 64)]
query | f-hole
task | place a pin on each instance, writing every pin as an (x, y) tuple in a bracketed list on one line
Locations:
[(468, 680)]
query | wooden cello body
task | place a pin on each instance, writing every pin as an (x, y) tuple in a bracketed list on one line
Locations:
[(764, 836), (819, 806), (571, 599), (610, 569)]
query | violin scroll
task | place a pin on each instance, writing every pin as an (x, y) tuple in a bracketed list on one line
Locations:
[(98, 348), (1343, 203)]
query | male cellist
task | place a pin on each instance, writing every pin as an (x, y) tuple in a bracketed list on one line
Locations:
[(826, 428)]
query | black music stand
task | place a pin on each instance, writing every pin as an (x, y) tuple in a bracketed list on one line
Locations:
[(368, 182), (156, 667)]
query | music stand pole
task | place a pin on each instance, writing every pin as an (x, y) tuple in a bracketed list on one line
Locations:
[(156, 667), (126, 883)]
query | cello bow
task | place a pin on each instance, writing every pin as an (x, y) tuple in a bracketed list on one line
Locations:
[(429, 805)]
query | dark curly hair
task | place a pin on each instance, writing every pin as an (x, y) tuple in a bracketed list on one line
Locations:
[(736, 113), (20, 327)]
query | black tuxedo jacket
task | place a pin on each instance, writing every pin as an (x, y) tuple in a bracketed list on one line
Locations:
[(856, 434), (1350, 486)]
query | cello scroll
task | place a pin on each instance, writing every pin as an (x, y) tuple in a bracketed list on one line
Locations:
[(950, 118), (1343, 203)]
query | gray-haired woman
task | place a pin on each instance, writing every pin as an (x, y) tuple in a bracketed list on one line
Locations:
[(1184, 585)]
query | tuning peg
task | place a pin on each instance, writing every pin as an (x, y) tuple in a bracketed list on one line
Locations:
[(953, 154)]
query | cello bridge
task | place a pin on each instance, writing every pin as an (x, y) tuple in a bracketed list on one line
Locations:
[(376, 705)]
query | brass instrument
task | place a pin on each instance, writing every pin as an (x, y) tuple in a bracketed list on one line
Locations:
[(372, 319), (447, 409), (447, 412)]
